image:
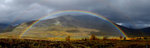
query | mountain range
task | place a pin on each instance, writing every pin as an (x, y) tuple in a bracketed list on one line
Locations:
[(72, 25)]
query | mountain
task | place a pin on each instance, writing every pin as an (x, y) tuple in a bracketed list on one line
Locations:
[(144, 32), (76, 26), (5, 27)]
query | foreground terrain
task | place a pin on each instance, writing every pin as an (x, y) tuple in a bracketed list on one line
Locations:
[(29, 43)]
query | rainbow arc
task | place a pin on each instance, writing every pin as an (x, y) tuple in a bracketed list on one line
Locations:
[(73, 11)]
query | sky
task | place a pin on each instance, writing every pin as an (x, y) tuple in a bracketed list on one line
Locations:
[(129, 13)]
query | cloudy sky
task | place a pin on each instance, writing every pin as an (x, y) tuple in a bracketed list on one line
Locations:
[(130, 13)]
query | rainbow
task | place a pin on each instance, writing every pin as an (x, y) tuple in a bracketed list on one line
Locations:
[(73, 11)]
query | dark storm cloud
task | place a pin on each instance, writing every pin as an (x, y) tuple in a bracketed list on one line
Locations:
[(132, 12)]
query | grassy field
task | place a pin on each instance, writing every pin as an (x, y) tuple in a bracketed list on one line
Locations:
[(29, 43)]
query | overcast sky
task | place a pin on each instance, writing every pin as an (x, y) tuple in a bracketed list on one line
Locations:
[(134, 13)]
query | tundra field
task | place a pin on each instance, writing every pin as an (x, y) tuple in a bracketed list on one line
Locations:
[(84, 43)]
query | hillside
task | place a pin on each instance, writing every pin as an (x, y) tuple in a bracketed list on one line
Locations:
[(67, 25), (81, 26)]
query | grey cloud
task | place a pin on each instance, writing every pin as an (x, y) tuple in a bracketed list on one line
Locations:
[(125, 11)]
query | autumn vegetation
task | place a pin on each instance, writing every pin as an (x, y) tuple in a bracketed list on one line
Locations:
[(92, 42)]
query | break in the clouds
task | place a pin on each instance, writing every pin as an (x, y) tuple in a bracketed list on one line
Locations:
[(126, 12)]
